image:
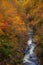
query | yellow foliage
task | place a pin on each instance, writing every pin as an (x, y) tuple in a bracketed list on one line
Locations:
[(15, 19), (36, 38), (1, 32)]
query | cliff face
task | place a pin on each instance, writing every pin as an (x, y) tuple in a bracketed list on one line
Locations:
[(15, 19)]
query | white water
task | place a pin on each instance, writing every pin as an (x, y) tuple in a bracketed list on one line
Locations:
[(26, 57)]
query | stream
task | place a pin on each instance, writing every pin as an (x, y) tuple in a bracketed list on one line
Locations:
[(30, 57)]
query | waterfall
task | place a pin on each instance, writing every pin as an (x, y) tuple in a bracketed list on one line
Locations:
[(30, 57)]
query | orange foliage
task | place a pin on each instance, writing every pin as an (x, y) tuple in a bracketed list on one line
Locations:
[(15, 19)]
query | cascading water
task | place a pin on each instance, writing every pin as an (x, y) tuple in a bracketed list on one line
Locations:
[(30, 57)]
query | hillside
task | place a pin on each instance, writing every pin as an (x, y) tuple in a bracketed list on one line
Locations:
[(16, 18)]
